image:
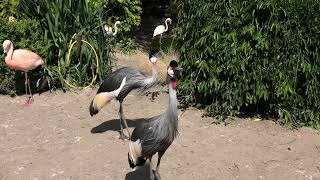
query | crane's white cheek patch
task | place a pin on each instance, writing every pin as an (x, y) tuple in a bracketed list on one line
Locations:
[(153, 59), (170, 72)]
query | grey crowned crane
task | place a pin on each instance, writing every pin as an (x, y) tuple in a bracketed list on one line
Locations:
[(155, 134), (134, 80)]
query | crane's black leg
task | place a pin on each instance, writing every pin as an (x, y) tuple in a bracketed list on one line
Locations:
[(151, 169), (122, 135), (157, 174), (125, 121)]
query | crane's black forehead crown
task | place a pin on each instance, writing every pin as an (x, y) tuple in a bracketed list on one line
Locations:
[(154, 52), (173, 63)]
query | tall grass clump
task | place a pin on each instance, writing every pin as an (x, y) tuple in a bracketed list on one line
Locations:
[(77, 46), (252, 56)]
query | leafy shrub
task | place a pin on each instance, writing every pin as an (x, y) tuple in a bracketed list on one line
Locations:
[(26, 34), (257, 56), (127, 11), (8, 8)]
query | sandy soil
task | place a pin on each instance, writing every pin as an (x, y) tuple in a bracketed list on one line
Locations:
[(57, 139)]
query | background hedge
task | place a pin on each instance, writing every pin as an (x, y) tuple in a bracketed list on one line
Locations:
[(252, 56)]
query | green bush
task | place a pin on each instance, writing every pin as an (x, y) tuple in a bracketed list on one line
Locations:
[(24, 33), (257, 56), (127, 11), (9, 8)]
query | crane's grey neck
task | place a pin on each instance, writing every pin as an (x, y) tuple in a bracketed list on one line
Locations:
[(154, 72), (153, 78), (172, 110)]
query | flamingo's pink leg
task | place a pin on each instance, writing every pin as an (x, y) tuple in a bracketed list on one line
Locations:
[(26, 82), (27, 85), (31, 95)]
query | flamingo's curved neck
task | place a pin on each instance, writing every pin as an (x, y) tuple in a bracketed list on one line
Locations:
[(115, 29), (9, 54), (166, 23)]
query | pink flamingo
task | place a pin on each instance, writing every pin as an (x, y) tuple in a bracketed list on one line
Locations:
[(23, 60)]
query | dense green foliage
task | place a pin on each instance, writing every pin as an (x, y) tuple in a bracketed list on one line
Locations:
[(23, 33), (260, 56), (127, 11), (8, 8)]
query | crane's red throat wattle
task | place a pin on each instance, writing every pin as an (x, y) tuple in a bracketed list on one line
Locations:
[(174, 84)]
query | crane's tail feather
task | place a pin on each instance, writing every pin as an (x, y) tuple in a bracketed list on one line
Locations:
[(92, 109), (134, 156)]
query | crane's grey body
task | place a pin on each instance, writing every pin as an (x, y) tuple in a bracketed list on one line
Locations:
[(135, 80), (155, 135)]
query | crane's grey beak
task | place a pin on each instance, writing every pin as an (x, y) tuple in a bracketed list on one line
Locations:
[(176, 72), (158, 54)]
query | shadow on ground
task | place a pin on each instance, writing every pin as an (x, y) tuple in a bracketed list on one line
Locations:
[(143, 173), (114, 125)]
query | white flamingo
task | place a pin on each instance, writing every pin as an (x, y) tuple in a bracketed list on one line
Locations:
[(159, 30), (109, 31)]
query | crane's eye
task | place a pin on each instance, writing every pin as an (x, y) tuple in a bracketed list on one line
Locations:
[(170, 72)]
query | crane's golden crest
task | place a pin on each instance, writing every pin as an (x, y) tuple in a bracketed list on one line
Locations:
[(101, 99)]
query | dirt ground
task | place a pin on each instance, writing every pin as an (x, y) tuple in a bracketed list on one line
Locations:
[(57, 139)]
